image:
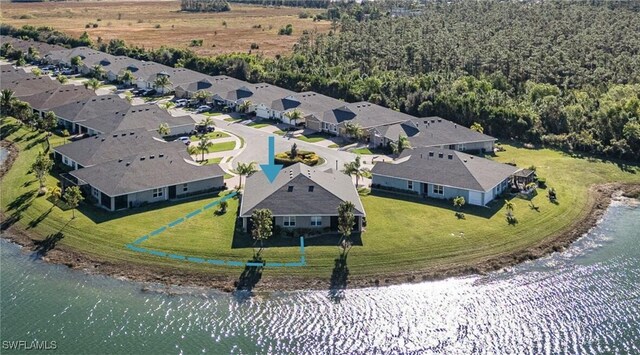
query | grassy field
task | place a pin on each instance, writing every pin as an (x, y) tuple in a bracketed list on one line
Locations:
[(136, 22), (401, 234), (258, 125)]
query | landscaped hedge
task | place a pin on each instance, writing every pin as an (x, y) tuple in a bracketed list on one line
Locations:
[(305, 157)]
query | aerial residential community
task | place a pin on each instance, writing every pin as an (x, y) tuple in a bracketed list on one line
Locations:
[(288, 176), (120, 160)]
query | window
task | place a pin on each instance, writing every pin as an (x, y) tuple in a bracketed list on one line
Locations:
[(95, 192), (185, 187), (316, 221), (438, 189), (289, 188), (289, 221), (409, 184), (158, 192), (311, 188)]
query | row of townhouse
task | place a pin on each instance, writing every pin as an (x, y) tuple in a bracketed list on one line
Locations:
[(319, 112)]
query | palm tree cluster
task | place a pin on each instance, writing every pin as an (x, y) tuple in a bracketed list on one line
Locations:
[(244, 169), (356, 169)]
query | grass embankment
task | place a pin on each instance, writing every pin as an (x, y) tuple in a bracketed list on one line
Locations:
[(153, 24), (402, 235)]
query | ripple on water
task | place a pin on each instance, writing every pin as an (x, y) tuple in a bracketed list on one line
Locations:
[(585, 300)]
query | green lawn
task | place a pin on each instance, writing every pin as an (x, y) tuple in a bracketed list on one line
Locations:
[(402, 235), (258, 125), (213, 161), (209, 114), (211, 135), (279, 132), (367, 151), (221, 147), (312, 138), (231, 119)]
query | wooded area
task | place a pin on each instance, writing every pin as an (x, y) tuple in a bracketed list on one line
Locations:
[(560, 73), (204, 5)]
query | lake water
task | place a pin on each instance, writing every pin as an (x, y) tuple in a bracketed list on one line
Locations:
[(584, 300)]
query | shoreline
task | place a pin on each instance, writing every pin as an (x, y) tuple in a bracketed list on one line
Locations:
[(600, 197)]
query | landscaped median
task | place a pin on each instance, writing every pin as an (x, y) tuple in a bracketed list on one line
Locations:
[(406, 238)]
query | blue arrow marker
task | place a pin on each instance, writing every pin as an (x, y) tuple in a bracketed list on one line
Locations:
[(272, 169)]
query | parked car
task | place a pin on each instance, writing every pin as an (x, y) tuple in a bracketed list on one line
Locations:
[(202, 129), (181, 102), (184, 140), (149, 92), (137, 92), (203, 108), (67, 71)]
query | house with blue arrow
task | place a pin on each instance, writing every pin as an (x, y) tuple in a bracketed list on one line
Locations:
[(301, 197)]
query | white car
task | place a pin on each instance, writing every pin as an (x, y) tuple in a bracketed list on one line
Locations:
[(181, 102), (203, 108), (184, 140)]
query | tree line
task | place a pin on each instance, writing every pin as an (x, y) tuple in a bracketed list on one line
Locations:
[(566, 74), (204, 5)]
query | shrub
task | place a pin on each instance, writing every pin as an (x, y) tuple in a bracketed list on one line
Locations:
[(157, 25), (305, 157), (255, 46), (287, 31), (196, 43), (304, 14), (542, 182)]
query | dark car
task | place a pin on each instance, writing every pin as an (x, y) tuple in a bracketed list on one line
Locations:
[(202, 129), (149, 92)]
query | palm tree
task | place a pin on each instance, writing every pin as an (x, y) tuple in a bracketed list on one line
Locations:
[(36, 71), (294, 116), (262, 220), (162, 82), (346, 220), (245, 106), (168, 105), (7, 100), (203, 145), (92, 83), (208, 121), (33, 54), (403, 143), (97, 71), (245, 169), (477, 127), (73, 197), (127, 77), (356, 169), (128, 96), (354, 130), (164, 129), (62, 79), (201, 96), (509, 205), (76, 62)]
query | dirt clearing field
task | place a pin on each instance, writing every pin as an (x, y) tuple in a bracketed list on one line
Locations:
[(152, 24)]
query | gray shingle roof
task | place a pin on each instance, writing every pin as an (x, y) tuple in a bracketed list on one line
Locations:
[(102, 148), (10, 75), (265, 93), (146, 116), (366, 114), (62, 95), (289, 194), (446, 167), (31, 85), (433, 131), (145, 172), (307, 102), (42, 47), (91, 108)]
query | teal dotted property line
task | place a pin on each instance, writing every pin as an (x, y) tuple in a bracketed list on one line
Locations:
[(135, 245)]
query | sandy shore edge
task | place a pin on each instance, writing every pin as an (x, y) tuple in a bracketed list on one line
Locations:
[(600, 197)]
